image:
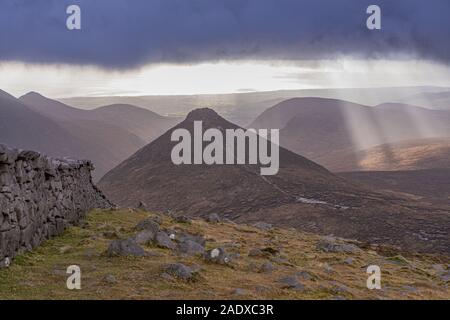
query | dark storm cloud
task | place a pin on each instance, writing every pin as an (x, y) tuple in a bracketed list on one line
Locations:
[(129, 33)]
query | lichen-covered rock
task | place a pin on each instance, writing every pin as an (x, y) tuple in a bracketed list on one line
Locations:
[(125, 247), (330, 244), (40, 197), (190, 247), (180, 271), (263, 226), (145, 237), (148, 224), (291, 282), (163, 240), (213, 218)]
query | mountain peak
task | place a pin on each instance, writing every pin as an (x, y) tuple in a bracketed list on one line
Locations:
[(31, 95), (203, 114), (4, 94)]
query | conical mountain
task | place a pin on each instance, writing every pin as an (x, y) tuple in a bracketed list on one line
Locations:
[(302, 194), (150, 176)]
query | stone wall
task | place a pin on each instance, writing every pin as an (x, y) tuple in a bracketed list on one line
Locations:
[(40, 197)]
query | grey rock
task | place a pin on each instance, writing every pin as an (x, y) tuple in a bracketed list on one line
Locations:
[(190, 247), (163, 240), (110, 279), (330, 244), (182, 219), (5, 262), (291, 282), (193, 237), (304, 275), (126, 247), (262, 289), (142, 206), (266, 267), (239, 292), (148, 224), (180, 271), (144, 237), (349, 261), (445, 277), (263, 226), (255, 252), (213, 218)]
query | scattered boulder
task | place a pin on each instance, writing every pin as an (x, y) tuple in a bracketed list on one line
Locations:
[(304, 275), (65, 249), (261, 289), (5, 263), (339, 288), (217, 255), (255, 252), (213, 218), (330, 244), (109, 278), (180, 271), (263, 226), (291, 282), (445, 277), (191, 248), (266, 267), (270, 251), (182, 219), (349, 261), (125, 247), (163, 240), (239, 292), (193, 237), (142, 206), (145, 237), (148, 224)]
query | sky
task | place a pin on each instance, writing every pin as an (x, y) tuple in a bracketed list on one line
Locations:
[(218, 46)]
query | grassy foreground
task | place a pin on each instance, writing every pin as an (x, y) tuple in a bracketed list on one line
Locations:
[(41, 274)]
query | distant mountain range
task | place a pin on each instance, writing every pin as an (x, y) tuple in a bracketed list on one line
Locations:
[(106, 135), (432, 100), (243, 108), (335, 133), (303, 195)]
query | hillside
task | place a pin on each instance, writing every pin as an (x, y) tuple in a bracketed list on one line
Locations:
[(417, 154), (432, 185), (143, 123), (23, 128), (275, 263), (302, 195), (327, 129), (434, 100), (107, 135)]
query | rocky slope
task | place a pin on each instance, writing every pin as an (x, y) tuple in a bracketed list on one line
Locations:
[(133, 254)]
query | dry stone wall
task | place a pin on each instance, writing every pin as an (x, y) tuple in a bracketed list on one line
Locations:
[(41, 196)]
